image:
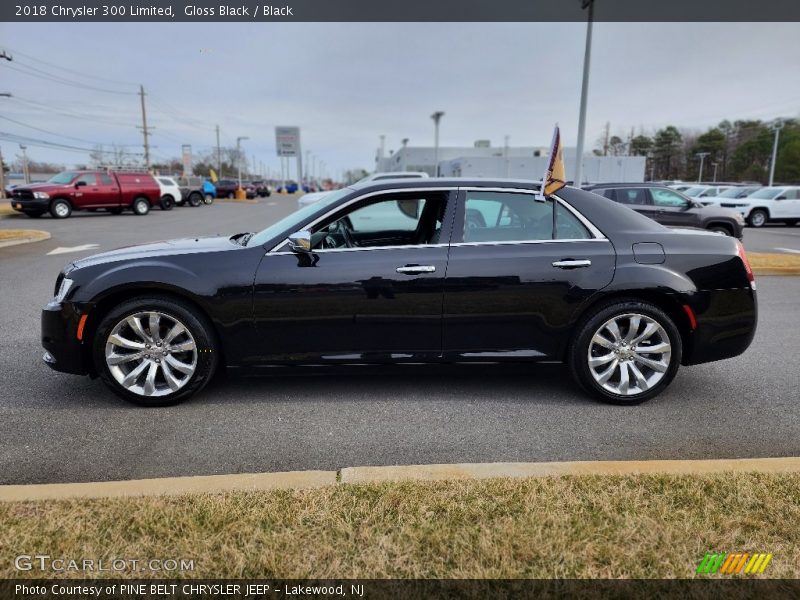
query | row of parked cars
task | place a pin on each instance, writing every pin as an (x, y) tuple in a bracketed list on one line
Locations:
[(116, 191), (758, 204)]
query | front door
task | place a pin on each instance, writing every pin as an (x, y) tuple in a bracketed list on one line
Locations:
[(513, 286), (370, 290)]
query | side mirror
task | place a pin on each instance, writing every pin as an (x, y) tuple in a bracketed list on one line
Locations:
[(79, 184), (300, 242)]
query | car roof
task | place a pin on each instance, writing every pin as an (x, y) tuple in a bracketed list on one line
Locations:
[(626, 184), (448, 182)]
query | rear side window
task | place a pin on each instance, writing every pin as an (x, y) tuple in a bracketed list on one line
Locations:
[(636, 196), (106, 179), (513, 217)]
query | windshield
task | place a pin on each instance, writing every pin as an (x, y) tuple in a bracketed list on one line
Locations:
[(694, 191), (63, 178), (294, 221), (735, 192), (766, 193)]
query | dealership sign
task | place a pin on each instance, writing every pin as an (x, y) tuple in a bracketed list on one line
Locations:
[(287, 141)]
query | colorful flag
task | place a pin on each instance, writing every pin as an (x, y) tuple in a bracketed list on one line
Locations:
[(555, 176), (212, 175)]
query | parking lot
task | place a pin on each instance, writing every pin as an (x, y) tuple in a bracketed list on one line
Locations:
[(57, 427)]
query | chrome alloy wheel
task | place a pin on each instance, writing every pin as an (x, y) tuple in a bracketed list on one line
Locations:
[(151, 354), (629, 354), (62, 210)]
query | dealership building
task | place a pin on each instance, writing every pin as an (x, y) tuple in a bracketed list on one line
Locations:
[(522, 162)]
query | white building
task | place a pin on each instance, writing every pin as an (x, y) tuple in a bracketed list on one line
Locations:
[(525, 162)]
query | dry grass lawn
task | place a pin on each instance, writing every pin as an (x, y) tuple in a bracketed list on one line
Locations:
[(774, 264), (16, 234), (576, 526)]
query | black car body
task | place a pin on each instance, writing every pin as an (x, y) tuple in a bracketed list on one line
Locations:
[(396, 272), (672, 208), (226, 188), (261, 188)]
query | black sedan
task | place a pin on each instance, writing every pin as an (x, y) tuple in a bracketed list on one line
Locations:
[(411, 271)]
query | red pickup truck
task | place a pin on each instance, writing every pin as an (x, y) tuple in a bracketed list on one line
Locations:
[(80, 190)]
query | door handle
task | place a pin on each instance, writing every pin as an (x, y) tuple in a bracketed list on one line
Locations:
[(571, 263), (414, 269)]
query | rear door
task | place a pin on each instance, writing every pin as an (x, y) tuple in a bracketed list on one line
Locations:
[(514, 287), (109, 188), (787, 204)]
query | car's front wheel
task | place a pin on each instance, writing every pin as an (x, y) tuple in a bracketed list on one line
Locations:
[(154, 351), (758, 218), (625, 352), (60, 209), (195, 199)]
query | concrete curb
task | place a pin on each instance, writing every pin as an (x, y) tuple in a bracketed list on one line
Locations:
[(169, 486), (212, 484), (26, 236)]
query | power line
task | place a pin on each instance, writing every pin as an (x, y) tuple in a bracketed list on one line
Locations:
[(60, 68), (13, 137), (68, 137), (67, 113), (67, 82)]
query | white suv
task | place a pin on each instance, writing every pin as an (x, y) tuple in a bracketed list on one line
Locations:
[(170, 192), (770, 204)]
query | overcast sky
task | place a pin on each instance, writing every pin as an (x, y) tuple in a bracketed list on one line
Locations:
[(345, 84)]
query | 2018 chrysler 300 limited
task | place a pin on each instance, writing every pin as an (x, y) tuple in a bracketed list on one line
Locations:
[(411, 271)]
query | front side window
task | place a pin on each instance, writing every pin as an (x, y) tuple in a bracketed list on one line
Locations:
[(662, 197), (393, 219), (62, 178), (515, 217), (88, 179), (768, 193)]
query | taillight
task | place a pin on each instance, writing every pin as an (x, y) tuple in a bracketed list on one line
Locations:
[(743, 255)]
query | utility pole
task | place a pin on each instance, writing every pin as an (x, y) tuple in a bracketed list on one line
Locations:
[(437, 116), (404, 141), (584, 91), (605, 139), (145, 130), (253, 174), (219, 156), (239, 156), (2, 176), (776, 127), (25, 173), (701, 156), (715, 164), (308, 164)]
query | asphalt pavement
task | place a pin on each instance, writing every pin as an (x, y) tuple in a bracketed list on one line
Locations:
[(56, 427)]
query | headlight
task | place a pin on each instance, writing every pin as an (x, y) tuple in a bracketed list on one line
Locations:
[(63, 290), (739, 218), (41, 195)]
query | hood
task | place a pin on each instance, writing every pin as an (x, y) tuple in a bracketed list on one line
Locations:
[(34, 187), (160, 249)]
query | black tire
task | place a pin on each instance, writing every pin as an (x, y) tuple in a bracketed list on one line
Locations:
[(720, 229), (140, 206), (195, 199), (167, 202), (34, 214), (231, 196), (579, 351), (758, 217), (195, 323), (60, 208), (115, 211), (208, 199)]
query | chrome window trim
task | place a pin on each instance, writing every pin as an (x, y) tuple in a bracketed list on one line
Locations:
[(594, 231)]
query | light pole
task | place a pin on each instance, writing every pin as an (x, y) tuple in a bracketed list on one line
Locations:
[(584, 92), (505, 154), (701, 156), (404, 141), (776, 127), (715, 164), (25, 172), (239, 156), (437, 116)]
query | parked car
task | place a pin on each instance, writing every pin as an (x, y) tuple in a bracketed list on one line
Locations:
[(703, 192), (170, 192), (391, 272), (313, 197), (670, 207), (262, 188), (732, 193), (288, 187), (194, 191), (226, 188), (777, 204), (88, 190)]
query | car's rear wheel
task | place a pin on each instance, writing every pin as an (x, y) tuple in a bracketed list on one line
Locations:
[(60, 209), (154, 351), (208, 199), (625, 352), (758, 218), (195, 199), (230, 195), (167, 202), (141, 206)]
